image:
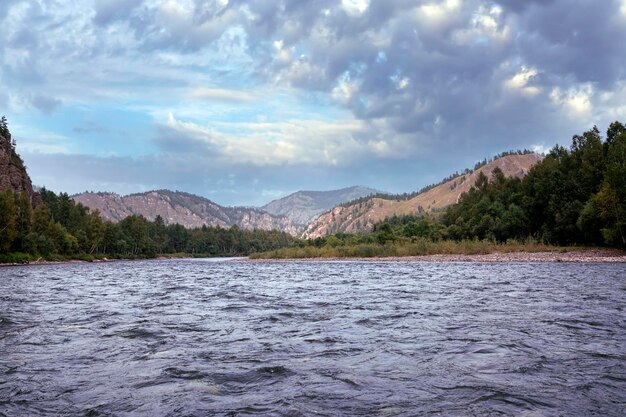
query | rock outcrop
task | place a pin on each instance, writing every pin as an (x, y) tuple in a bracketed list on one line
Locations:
[(186, 209), (13, 175), (362, 215)]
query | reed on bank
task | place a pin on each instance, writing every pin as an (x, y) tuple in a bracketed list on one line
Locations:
[(416, 247)]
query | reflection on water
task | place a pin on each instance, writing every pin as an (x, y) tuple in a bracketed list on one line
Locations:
[(191, 337)]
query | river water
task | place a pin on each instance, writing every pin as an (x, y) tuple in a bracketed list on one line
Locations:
[(200, 338)]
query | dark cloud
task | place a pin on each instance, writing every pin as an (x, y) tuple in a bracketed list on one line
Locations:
[(177, 27), (24, 71), (518, 6), (5, 5), (171, 141), (109, 11), (23, 38), (580, 42), (454, 70), (462, 79), (45, 103)]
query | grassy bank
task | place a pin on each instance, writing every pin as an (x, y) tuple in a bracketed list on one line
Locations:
[(420, 247)]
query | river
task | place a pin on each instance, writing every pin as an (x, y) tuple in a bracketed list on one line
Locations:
[(203, 338)]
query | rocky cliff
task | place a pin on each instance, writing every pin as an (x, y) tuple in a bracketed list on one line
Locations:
[(186, 209), (362, 215), (303, 206), (13, 175)]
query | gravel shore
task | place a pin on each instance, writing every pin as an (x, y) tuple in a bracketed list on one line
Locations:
[(581, 256)]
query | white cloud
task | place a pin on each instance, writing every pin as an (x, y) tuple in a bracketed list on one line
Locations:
[(33, 140), (521, 80), (296, 141), (176, 9), (283, 54), (222, 94), (575, 101), (423, 74), (345, 89), (355, 7), (486, 24), (614, 102), (302, 73), (438, 13)]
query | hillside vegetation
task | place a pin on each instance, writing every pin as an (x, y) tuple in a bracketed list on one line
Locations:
[(574, 197), (60, 229), (361, 215), (48, 226)]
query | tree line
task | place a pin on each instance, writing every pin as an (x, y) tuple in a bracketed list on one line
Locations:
[(62, 228), (574, 196)]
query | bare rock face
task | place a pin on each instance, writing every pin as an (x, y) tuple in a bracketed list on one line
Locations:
[(189, 210), (110, 205), (13, 175), (303, 206), (362, 215)]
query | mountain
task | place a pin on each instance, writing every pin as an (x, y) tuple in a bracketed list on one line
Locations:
[(13, 175), (186, 209), (303, 206), (361, 215)]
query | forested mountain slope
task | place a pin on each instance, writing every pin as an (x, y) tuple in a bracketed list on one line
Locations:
[(361, 215)]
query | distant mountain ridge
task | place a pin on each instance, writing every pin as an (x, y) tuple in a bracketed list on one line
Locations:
[(361, 215), (186, 209), (303, 206), (308, 214)]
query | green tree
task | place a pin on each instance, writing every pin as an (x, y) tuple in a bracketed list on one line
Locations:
[(135, 230), (177, 238), (109, 239), (4, 128), (591, 222), (24, 213), (612, 196), (42, 220), (384, 233), (64, 242), (37, 244), (8, 221), (94, 231), (158, 234)]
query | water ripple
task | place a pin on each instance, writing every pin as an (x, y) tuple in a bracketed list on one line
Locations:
[(190, 337)]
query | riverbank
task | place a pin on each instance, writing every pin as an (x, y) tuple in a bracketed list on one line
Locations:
[(32, 261), (61, 261), (591, 255)]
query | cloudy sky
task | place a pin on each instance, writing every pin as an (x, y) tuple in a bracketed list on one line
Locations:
[(245, 101)]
